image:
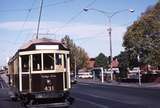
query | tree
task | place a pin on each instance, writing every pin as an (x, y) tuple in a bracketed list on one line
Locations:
[(125, 62), (77, 54), (143, 37), (101, 61)]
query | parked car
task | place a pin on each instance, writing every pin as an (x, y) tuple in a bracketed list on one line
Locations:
[(85, 75), (135, 70), (133, 74)]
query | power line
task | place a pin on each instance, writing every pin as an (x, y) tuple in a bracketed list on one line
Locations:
[(34, 8), (89, 37), (26, 19), (53, 4), (8, 42), (23, 25), (57, 3), (69, 21), (75, 16)]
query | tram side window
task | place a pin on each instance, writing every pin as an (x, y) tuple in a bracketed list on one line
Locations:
[(48, 61), (37, 65), (58, 59), (25, 63)]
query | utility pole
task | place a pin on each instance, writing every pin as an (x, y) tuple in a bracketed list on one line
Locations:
[(39, 19), (110, 44)]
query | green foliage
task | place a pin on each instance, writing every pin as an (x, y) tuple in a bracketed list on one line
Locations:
[(101, 61), (143, 37), (126, 61), (76, 53)]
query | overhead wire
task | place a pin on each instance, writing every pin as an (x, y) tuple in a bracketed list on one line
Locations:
[(86, 39), (57, 3), (27, 16), (34, 8), (26, 19), (74, 16), (23, 25), (53, 4)]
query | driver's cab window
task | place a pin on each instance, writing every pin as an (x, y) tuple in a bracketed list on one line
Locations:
[(25, 63), (37, 65), (58, 59), (48, 60)]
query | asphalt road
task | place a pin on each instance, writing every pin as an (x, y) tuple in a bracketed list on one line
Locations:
[(102, 96), (108, 96), (5, 100)]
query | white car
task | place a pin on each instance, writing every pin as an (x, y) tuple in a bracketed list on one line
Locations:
[(85, 75), (135, 70)]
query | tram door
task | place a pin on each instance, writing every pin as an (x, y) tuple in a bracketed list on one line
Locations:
[(60, 67), (24, 71), (29, 81)]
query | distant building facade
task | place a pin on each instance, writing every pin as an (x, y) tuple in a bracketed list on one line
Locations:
[(91, 63)]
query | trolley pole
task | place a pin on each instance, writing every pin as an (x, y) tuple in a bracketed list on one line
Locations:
[(39, 19)]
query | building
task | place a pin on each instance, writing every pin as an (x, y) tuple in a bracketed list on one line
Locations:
[(91, 63)]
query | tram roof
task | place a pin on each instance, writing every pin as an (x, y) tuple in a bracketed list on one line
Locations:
[(31, 45), (41, 41)]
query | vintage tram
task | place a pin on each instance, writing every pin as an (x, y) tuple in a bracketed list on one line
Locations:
[(40, 70)]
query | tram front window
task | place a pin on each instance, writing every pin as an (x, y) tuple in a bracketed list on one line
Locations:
[(58, 59), (37, 62), (48, 61), (25, 63)]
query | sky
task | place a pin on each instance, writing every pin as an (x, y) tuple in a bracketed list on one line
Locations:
[(18, 23)]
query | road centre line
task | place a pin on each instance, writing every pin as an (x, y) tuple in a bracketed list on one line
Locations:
[(84, 84)]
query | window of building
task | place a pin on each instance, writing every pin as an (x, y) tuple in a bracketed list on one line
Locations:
[(37, 65), (48, 60), (25, 63)]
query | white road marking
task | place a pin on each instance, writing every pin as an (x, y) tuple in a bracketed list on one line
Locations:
[(84, 84)]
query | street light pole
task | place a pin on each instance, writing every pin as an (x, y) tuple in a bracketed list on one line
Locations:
[(110, 44), (139, 72), (109, 16)]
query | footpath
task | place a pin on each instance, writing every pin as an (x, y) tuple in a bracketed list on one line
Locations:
[(115, 83)]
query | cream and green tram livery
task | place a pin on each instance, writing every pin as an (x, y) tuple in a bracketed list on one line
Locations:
[(40, 70)]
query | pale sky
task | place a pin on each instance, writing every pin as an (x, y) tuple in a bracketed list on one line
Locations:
[(18, 23)]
